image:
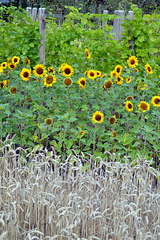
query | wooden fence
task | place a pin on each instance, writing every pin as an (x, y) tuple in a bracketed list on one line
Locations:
[(41, 14)]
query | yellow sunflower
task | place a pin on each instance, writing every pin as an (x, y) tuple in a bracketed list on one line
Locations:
[(13, 90), (108, 84), (81, 132), (82, 82), (136, 70), (132, 62), (26, 61), (6, 83), (112, 120), (15, 60), (49, 80), (156, 101), (144, 106), (25, 74), (92, 74), (119, 80), (129, 106), (128, 80), (4, 65), (67, 70), (67, 81), (118, 69), (39, 70), (51, 70), (99, 74), (113, 74), (98, 117), (1, 70), (148, 69), (85, 73), (87, 53), (12, 66), (9, 60), (48, 121), (1, 84)]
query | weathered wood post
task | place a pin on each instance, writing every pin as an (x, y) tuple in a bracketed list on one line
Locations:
[(42, 28), (117, 24), (104, 23)]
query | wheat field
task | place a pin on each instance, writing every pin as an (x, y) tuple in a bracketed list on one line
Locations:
[(105, 200)]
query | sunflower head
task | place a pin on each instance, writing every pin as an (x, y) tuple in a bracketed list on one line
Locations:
[(67, 81), (82, 82), (48, 121), (81, 132), (129, 106), (128, 80), (132, 62), (92, 74), (156, 101), (112, 120), (119, 80), (9, 60), (49, 80), (39, 70), (51, 70), (98, 117), (25, 74), (87, 53), (1, 84), (12, 66), (13, 90), (129, 98), (15, 60), (26, 61), (136, 70), (67, 70), (4, 65), (99, 74), (108, 84), (148, 69), (144, 106), (113, 74), (118, 69)]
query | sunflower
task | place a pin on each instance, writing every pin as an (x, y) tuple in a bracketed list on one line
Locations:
[(51, 70), (113, 74), (92, 74), (114, 134), (4, 65), (156, 101), (98, 117), (13, 90), (148, 69), (82, 82), (67, 70), (39, 70), (26, 61), (48, 121), (136, 70), (119, 80), (112, 120), (9, 60), (15, 60), (128, 80), (49, 80), (12, 66), (108, 84), (129, 106), (81, 132), (25, 74), (99, 74), (129, 98), (103, 75), (132, 62), (1, 84), (67, 81), (87, 53), (6, 83), (1, 70), (85, 73), (118, 69), (144, 106), (62, 66)]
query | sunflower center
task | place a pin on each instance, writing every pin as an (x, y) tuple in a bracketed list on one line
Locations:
[(118, 79), (98, 117), (143, 106), (118, 70), (83, 82), (157, 101), (1, 84), (48, 121), (67, 71), (13, 90), (112, 120), (149, 69), (67, 81), (130, 106), (132, 61), (49, 79), (26, 74), (92, 74), (12, 66), (15, 60), (39, 70), (108, 84)]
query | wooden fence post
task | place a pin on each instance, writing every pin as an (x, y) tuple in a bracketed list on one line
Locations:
[(42, 28), (117, 24), (104, 23)]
